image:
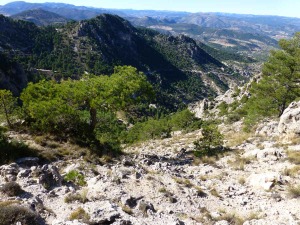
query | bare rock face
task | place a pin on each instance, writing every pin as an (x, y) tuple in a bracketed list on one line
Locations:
[(264, 180), (200, 107), (290, 120), (9, 172), (50, 176), (268, 128), (106, 213)]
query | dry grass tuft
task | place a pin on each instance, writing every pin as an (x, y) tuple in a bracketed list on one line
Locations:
[(294, 157), (236, 139), (292, 172), (211, 160), (231, 218), (80, 197), (294, 191), (11, 189), (126, 209), (80, 214), (186, 182), (215, 193), (239, 162)]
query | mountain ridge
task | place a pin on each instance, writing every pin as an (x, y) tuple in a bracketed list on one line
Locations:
[(40, 17), (235, 35), (178, 65)]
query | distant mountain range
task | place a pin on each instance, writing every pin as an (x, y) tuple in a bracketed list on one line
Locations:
[(249, 35), (40, 17)]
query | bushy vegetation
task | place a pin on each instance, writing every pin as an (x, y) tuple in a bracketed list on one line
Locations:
[(279, 84), (211, 142), (85, 109), (162, 128), (75, 177), (11, 214), (11, 189), (12, 150), (274, 90), (86, 112), (8, 106), (80, 214)]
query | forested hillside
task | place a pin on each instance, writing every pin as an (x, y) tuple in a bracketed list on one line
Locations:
[(241, 35), (177, 66)]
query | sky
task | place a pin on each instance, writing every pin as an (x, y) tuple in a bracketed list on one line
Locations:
[(288, 8)]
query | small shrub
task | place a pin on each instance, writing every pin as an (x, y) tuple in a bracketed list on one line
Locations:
[(233, 117), (223, 107), (52, 144), (41, 140), (80, 214), (11, 189), (11, 214), (236, 92), (75, 177), (210, 143)]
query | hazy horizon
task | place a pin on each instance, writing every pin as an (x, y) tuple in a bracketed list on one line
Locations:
[(288, 8)]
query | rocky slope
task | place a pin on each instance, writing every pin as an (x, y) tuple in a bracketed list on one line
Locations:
[(161, 182)]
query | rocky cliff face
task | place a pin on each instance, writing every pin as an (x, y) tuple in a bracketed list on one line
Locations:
[(289, 123)]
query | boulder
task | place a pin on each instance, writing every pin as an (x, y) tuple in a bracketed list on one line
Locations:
[(270, 154), (24, 173), (267, 128), (290, 120), (200, 108), (265, 180), (144, 206), (267, 154), (104, 213), (9, 172), (50, 176)]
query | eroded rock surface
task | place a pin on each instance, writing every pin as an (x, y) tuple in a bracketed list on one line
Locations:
[(161, 182)]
